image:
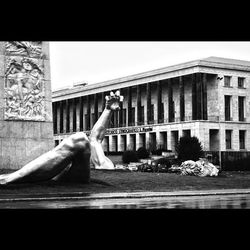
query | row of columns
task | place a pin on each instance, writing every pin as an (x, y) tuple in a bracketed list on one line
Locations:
[(159, 139), (71, 110)]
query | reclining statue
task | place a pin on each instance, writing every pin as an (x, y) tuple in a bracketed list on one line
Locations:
[(70, 160)]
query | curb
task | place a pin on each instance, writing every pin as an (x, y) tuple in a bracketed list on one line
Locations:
[(130, 195)]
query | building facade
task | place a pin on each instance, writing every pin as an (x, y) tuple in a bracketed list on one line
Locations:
[(207, 98)]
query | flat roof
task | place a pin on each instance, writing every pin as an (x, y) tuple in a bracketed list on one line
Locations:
[(210, 62)]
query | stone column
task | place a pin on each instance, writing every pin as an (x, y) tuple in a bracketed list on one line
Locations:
[(88, 112), (58, 116), (103, 100), (147, 140), (170, 101), (78, 114), (180, 133), (138, 109), (165, 100), (204, 96), (120, 112), (67, 116), (138, 141), (74, 114), (129, 89), (81, 116), (169, 140), (222, 135), (194, 98), (235, 140), (61, 116), (182, 99), (64, 116), (160, 112), (148, 105), (95, 108), (71, 116), (199, 97), (120, 143), (158, 139)]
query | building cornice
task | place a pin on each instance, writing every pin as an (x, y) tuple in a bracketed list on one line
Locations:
[(186, 68)]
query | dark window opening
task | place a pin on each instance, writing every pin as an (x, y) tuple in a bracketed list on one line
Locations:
[(227, 81), (241, 81), (228, 139), (242, 135), (241, 101), (227, 108)]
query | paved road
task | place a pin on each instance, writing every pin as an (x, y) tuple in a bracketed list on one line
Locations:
[(223, 199)]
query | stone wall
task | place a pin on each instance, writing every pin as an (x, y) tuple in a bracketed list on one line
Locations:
[(26, 128)]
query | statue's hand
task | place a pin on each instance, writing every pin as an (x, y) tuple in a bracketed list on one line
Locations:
[(113, 100)]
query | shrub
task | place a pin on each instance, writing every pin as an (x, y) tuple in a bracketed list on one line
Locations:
[(159, 151), (142, 153), (189, 148), (129, 156)]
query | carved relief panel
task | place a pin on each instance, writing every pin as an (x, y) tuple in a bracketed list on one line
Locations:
[(24, 81)]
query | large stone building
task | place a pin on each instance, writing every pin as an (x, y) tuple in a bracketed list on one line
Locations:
[(207, 98)]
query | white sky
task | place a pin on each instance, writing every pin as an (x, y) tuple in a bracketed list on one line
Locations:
[(94, 62)]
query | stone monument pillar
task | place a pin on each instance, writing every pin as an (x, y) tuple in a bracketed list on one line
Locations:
[(26, 128)]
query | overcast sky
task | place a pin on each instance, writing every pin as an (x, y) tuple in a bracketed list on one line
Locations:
[(94, 62)]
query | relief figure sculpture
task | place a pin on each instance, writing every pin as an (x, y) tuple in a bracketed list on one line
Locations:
[(24, 48), (24, 90)]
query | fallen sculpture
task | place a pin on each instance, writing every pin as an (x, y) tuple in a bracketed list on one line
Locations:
[(70, 160)]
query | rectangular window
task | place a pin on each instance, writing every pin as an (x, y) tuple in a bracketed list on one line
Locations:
[(228, 139), (242, 136), (227, 81), (227, 107), (241, 102), (241, 81)]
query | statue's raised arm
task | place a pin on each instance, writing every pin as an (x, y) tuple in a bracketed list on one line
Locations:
[(69, 161), (98, 157)]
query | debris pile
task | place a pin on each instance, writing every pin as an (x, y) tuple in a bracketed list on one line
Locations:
[(198, 168)]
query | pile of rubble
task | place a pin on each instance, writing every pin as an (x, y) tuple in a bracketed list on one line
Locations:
[(202, 168)]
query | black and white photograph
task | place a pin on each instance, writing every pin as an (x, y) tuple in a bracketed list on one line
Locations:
[(125, 125)]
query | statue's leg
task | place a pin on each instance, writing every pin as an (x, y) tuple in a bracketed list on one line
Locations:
[(77, 171), (53, 162)]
